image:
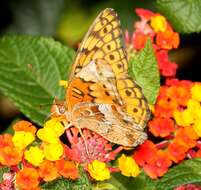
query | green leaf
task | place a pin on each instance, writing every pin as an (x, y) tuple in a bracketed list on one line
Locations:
[(65, 184), (2, 171), (36, 17), (143, 68), (185, 16), (30, 70), (140, 182), (186, 172)]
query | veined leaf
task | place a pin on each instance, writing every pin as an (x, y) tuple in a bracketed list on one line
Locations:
[(141, 182), (143, 68), (30, 70), (184, 173), (185, 16)]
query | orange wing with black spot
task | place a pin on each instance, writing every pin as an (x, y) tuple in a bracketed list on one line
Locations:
[(103, 48)]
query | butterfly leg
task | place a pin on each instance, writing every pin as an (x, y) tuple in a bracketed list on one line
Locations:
[(67, 125), (87, 150)]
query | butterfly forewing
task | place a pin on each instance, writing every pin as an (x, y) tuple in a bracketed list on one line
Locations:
[(100, 75)]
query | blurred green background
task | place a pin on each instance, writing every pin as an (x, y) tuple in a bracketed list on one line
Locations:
[(67, 21)]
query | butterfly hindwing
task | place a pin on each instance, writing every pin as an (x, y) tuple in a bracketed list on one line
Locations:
[(108, 122)]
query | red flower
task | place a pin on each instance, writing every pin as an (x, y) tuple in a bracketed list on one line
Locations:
[(197, 154), (144, 14), (167, 68), (159, 166), (161, 127), (176, 82), (139, 40), (145, 153)]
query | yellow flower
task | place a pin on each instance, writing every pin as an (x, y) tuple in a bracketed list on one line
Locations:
[(158, 23), (197, 127), (56, 126), (98, 170), (152, 108), (63, 83), (193, 105), (48, 135), (34, 155), (53, 152), (21, 139), (196, 92), (51, 132), (184, 118), (128, 166)]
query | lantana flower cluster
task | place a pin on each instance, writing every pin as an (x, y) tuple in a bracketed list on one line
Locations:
[(34, 156), (155, 27), (176, 122)]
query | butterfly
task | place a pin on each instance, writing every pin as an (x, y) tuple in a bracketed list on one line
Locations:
[(100, 95)]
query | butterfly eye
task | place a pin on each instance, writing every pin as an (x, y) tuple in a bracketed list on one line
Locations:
[(62, 109)]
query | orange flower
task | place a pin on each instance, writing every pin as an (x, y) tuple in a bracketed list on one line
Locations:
[(27, 178), (176, 152), (24, 126), (161, 127), (37, 188), (6, 140), (167, 39), (67, 169), (180, 93), (164, 106), (10, 156), (159, 166), (48, 171), (186, 137)]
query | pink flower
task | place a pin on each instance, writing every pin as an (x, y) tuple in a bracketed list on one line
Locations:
[(88, 147), (7, 183)]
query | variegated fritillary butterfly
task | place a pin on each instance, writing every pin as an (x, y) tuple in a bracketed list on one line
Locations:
[(101, 96)]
